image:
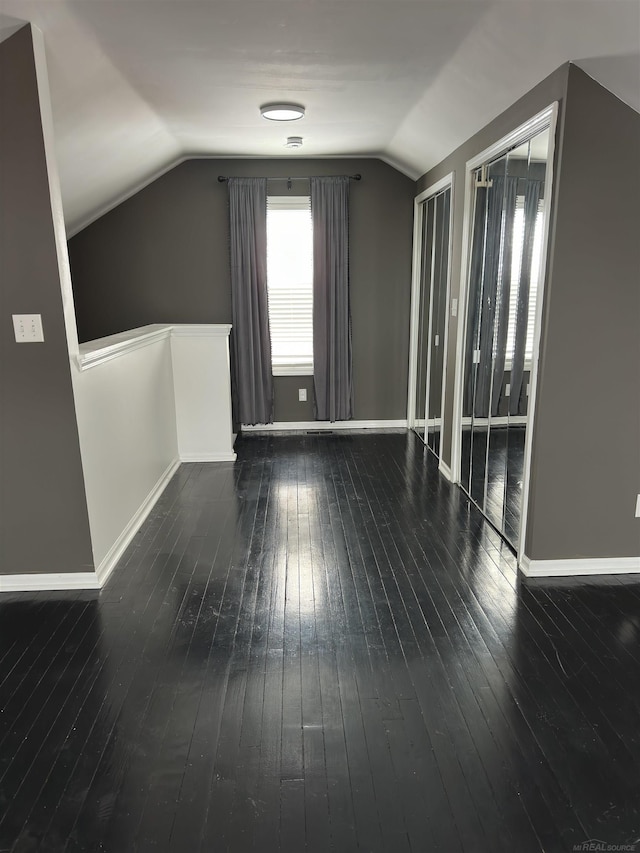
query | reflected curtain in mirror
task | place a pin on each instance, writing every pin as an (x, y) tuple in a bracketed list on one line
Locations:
[(500, 212)]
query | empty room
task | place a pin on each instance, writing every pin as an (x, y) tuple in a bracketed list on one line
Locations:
[(319, 426)]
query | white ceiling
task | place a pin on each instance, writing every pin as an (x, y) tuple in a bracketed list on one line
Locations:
[(137, 85)]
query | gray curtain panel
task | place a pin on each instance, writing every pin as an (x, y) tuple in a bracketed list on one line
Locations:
[(490, 280), (517, 400), (509, 191), (475, 297), (252, 378), (331, 313), (492, 248)]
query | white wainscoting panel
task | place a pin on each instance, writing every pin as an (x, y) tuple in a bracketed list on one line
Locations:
[(127, 425), (202, 386), (146, 399)]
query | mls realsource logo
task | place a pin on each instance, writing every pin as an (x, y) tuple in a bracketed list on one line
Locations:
[(595, 846)]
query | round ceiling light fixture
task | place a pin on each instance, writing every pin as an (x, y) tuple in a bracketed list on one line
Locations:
[(282, 112), (293, 142)]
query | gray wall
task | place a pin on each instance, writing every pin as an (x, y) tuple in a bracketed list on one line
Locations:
[(162, 256), (550, 89), (43, 515), (586, 453)]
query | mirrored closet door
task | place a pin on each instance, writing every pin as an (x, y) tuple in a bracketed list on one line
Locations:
[(431, 279), (507, 238)]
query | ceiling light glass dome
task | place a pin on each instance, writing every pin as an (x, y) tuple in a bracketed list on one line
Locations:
[(282, 112)]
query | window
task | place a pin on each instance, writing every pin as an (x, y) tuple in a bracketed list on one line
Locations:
[(290, 284), (516, 262)]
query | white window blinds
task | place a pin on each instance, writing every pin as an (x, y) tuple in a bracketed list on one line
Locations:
[(516, 262), (290, 284)]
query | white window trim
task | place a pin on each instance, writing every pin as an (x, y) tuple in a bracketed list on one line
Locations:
[(291, 370)]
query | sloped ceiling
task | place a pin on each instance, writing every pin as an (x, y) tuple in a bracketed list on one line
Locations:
[(137, 85)]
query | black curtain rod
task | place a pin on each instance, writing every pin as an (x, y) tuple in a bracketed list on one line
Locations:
[(358, 177)]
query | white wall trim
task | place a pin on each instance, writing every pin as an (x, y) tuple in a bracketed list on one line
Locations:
[(539, 122), (119, 546), (537, 324), (55, 194), (101, 350), (208, 457), (445, 470), (200, 330), (98, 578), (580, 566), (297, 426), (49, 581), (93, 353)]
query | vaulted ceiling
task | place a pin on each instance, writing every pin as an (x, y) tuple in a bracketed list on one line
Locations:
[(138, 84)]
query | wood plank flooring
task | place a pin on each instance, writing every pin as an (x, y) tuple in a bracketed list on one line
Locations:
[(321, 647)]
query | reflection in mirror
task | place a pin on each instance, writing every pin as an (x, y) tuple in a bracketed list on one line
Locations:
[(426, 242), (432, 317), (439, 277), (506, 257)]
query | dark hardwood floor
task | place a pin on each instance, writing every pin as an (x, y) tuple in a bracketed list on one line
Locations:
[(321, 647)]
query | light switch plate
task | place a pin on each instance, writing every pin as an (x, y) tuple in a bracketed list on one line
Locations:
[(454, 307), (638, 507), (28, 328), (302, 395)]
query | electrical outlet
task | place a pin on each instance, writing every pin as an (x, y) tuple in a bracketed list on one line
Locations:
[(638, 507), (302, 395), (28, 328)]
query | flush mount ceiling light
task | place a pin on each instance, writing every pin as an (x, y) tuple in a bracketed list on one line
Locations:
[(293, 142), (282, 112)]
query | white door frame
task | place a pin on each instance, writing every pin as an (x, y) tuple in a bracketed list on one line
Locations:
[(545, 119), (419, 207)]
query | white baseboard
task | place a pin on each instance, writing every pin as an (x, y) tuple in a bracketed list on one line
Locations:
[(297, 426), (445, 470), (49, 581), (97, 578), (209, 457), (118, 548), (580, 566)]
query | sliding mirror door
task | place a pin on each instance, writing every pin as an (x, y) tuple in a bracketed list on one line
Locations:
[(425, 216), (438, 319), (507, 237), (430, 295)]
